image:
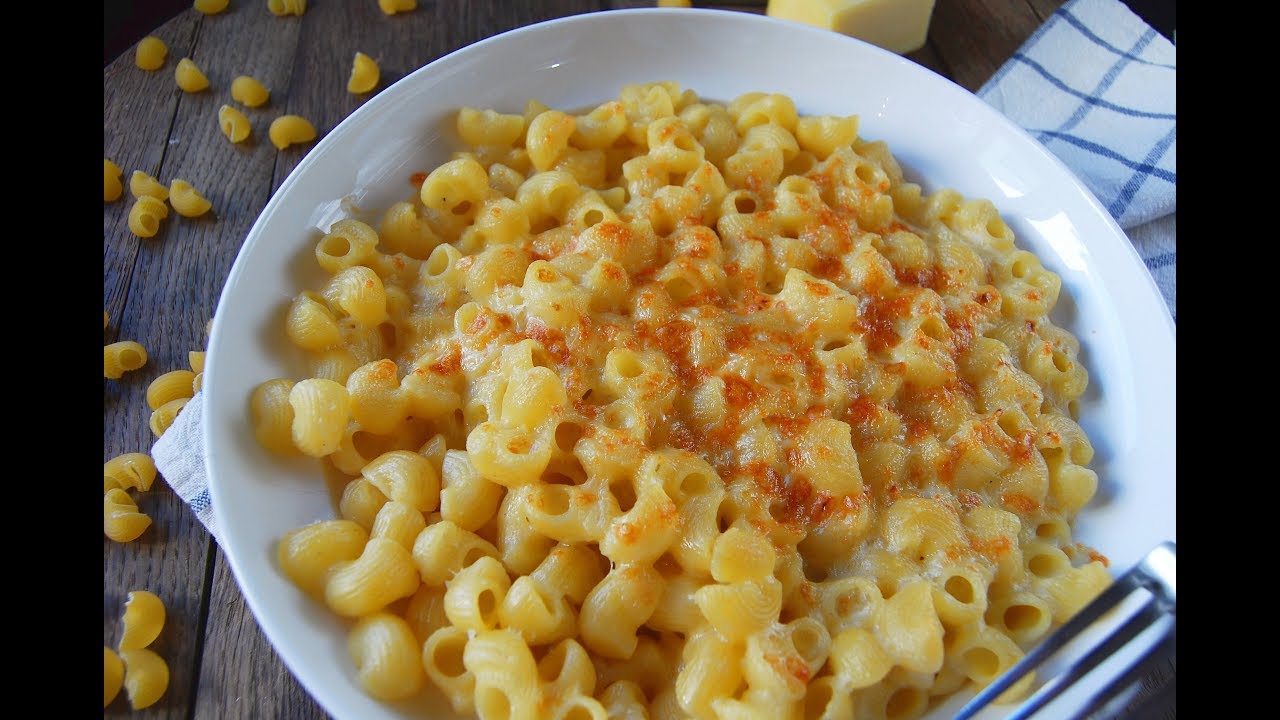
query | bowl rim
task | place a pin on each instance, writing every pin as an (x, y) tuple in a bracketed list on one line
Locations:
[(257, 603)]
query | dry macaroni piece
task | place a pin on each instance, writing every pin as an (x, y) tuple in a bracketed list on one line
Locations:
[(189, 76), (289, 130), (112, 675), (135, 471), (210, 7), (187, 200), (364, 74), (685, 408), (163, 416), (281, 8), (122, 520), (146, 677), (233, 123), (143, 620), (145, 216), (121, 357), (249, 92), (143, 185), (173, 385), (111, 186), (391, 7), (150, 53)]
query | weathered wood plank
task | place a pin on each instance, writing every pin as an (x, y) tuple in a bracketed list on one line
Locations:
[(174, 287), (197, 255), (139, 111), (333, 32), (975, 37), (1044, 8), (242, 677), (138, 108)]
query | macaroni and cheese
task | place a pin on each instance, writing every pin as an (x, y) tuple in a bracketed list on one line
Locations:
[(696, 408)]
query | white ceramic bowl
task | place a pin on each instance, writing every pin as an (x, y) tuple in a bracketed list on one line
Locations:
[(942, 135)]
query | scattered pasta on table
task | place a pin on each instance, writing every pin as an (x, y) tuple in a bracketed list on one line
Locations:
[(143, 185), (112, 675), (129, 471), (145, 216), (364, 74), (210, 7), (146, 677), (111, 185), (280, 8), (150, 53), (249, 92), (186, 200), (289, 130), (143, 620), (121, 357), (233, 124), (391, 7), (189, 76), (122, 521)]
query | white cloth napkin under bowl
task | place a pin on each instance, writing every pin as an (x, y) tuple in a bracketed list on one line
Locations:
[(1095, 84), (1098, 87)]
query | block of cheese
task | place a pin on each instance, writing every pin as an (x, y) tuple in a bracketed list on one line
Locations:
[(897, 25)]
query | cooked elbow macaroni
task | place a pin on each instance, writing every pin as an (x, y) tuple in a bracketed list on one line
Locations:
[(681, 408), (189, 76), (150, 53), (186, 200), (249, 92), (289, 130), (364, 74)]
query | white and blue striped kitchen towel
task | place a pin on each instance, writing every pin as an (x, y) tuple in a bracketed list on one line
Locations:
[(1095, 84), (1098, 87)]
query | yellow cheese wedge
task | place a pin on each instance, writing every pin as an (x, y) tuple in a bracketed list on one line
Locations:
[(897, 25)]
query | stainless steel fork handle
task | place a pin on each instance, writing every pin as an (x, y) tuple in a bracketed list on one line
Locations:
[(1156, 573)]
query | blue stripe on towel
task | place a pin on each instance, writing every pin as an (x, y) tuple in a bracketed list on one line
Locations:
[(1075, 22), (1099, 102), (1110, 154), (201, 502), (1135, 182), (1163, 260)]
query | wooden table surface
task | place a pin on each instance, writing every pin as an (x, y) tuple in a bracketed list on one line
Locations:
[(161, 291)]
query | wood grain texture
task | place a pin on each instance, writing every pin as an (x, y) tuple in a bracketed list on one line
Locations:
[(140, 112), (1044, 8), (975, 37), (161, 291), (241, 676)]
